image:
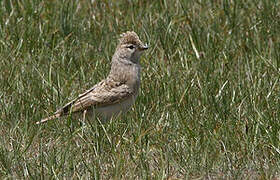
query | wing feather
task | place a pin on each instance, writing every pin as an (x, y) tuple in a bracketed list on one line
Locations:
[(101, 98), (102, 94)]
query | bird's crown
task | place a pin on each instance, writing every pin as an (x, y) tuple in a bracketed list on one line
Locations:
[(130, 37)]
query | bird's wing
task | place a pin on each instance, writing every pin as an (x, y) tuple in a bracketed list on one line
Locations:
[(100, 98), (103, 94)]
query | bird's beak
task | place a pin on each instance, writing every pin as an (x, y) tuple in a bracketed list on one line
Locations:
[(144, 47)]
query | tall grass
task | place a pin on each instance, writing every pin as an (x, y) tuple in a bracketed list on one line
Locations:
[(209, 101)]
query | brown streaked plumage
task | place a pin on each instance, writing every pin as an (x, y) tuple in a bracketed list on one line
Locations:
[(118, 91)]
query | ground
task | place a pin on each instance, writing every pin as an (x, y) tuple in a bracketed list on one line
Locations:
[(209, 101)]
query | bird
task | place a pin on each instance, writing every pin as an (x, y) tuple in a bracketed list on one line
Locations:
[(118, 91)]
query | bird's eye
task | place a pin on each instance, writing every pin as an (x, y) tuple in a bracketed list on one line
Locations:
[(130, 47)]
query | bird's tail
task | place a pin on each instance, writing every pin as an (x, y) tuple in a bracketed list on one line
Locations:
[(49, 118)]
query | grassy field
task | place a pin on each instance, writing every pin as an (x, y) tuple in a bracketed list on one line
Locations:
[(209, 105)]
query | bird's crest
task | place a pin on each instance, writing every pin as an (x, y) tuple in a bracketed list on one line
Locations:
[(130, 37)]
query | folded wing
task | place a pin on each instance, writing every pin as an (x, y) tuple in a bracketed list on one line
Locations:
[(102, 94)]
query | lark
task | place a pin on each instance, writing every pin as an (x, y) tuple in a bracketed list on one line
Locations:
[(115, 94)]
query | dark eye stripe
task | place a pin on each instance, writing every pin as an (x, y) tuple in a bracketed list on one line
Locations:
[(130, 46)]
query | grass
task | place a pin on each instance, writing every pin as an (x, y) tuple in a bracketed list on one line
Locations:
[(209, 101)]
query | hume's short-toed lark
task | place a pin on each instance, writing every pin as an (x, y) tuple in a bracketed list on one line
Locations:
[(118, 91)]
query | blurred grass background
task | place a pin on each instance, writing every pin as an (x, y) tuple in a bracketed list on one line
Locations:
[(209, 101)]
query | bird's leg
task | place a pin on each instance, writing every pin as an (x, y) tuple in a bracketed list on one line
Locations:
[(84, 115), (83, 121)]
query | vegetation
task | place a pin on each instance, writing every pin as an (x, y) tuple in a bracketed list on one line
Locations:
[(209, 101)]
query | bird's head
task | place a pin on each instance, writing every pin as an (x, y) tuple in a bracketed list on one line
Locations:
[(130, 47)]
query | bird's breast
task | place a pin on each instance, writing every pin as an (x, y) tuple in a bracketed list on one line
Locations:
[(108, 111), (133, 77)]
